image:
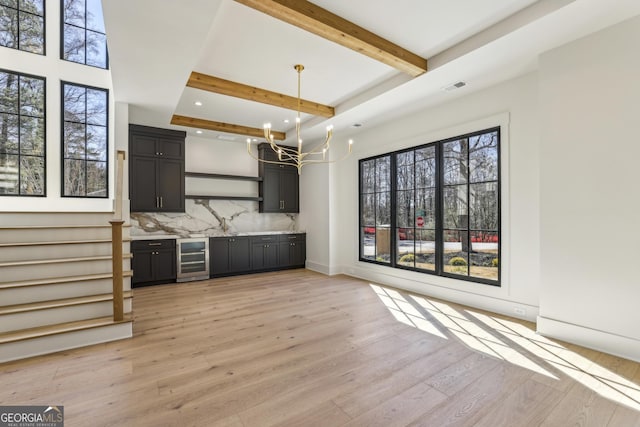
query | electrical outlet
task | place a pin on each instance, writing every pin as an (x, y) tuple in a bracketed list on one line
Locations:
[(520, 311)]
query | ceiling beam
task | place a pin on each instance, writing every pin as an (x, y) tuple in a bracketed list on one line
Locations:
[(239, 90), (193, 122), (323, 23)]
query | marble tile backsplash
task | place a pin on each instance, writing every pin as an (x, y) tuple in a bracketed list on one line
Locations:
[(207, 217)]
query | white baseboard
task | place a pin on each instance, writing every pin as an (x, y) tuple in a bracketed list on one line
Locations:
[(317, 267), (628, 348), (496, 304)]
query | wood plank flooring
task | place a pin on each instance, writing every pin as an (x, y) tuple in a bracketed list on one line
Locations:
[(296, 348)]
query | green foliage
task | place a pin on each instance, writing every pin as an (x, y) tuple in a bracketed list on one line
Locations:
[(408, 258), (494, 262), (458, 261)]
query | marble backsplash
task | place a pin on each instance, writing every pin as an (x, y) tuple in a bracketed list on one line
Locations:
[(206, 217)]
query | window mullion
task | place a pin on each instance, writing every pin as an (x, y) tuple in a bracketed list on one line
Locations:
[(393, 199), (439, 207)]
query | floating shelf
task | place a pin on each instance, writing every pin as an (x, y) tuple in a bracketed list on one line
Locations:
[(222, 176), (253, 199)]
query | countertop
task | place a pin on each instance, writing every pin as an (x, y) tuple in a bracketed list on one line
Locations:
[(194, 235)]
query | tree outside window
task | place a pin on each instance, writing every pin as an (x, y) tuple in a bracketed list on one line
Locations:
[(83, 35), (85, 141), (22, 25), (22, 134)]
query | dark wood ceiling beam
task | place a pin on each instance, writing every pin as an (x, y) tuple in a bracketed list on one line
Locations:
[(194, 122), (330, 26), (239, 90)]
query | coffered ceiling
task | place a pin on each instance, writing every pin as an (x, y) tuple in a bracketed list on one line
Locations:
[(364, 60)]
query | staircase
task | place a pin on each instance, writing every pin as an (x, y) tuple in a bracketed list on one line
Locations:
[(56, 283)]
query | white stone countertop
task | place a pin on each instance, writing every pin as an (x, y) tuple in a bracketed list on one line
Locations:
[(194, 235)]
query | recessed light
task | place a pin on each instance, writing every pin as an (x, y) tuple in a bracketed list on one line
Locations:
[(356, 125), (286, 120), (198, 131), (198, 104)]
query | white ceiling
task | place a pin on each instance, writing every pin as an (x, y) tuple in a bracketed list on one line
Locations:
[(154, 45)]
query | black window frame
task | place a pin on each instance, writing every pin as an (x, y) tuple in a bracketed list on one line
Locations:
[(85, 123), (44, 147), (19, 11), (439, 211), (63, 23)]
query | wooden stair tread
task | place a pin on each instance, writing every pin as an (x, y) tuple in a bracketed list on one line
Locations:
[(60, 242), (59, 260), (65, 302), (57, 280), (56, 227), (60, 328)]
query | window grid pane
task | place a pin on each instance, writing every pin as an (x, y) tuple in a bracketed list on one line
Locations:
[(22, 25), (85, 145), (22, 135), (83, 35), (465, 204)]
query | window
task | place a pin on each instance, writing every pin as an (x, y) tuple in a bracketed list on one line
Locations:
[(22, 25), (444, 199), (85, 136), (22, 134), (83, 35)]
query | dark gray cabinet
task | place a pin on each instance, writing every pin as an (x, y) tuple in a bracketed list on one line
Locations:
[(156, 169), (264, 252), (154, 262), (228, 255), (279, 188), (292, 250), (251, 254)]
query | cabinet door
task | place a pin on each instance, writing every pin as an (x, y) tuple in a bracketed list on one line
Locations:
[(239, 254), (170, 185), (264, 256), (142, 266), (143, 184), (297, 253), (289, 182), (271, 255), (164, 264), (171, 148), (143, 145), (270, 187), (218, 255)]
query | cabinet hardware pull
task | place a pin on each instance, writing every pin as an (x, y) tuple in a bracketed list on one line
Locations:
[(155, 244), (161, 202)]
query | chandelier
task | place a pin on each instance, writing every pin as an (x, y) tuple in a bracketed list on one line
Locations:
[(293, 156)]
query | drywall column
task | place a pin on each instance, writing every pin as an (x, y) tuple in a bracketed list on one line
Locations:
[(590, 202)]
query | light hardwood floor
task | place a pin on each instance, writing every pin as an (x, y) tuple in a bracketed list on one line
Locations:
[(297, 348)]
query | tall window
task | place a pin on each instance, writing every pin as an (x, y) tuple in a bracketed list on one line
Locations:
[(22, 25), (84, 133), (22, 134), (445, 208), (83, 35)]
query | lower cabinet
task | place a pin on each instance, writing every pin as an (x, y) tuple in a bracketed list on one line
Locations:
[(264, 252), (229, 255), (292, 250), (154, 262), (249, 254)]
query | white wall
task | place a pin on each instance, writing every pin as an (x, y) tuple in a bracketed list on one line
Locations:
[(512, 105), (315, 215), (54, 70), (590, 108)]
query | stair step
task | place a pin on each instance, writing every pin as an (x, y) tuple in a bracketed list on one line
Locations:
[(61, 328), (56, 227), (60, 260), (66, 302), (56, 280), (60, 242)]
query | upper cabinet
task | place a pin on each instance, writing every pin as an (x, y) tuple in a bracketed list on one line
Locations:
[(156, 169), (279, 188)]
